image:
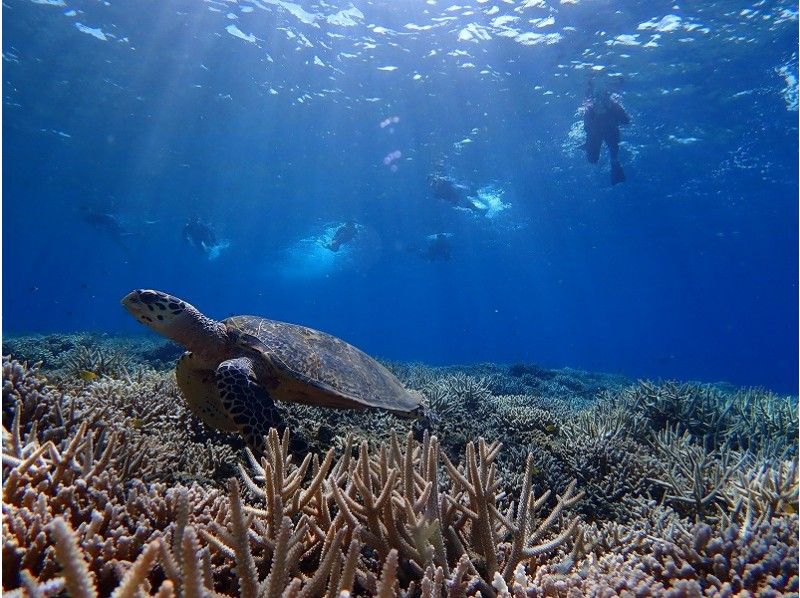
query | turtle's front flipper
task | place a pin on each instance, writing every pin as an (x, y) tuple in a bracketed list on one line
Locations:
[(199, 390), (247, 403)]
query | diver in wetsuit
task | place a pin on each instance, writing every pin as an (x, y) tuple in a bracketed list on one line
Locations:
[(344, 234), (458, 195), (446, 189), (106, 222), (602, 117), (200, 235), (438, 248)]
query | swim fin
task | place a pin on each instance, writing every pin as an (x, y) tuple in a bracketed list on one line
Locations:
[(617, 174)]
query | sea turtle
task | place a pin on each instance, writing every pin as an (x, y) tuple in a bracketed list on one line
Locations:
[(234, 369)]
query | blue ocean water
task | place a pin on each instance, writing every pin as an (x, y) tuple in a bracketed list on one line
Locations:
[(277, 122)]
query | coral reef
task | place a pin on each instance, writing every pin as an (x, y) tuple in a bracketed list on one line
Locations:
[(751, 419), (64, 355), (522, 481)]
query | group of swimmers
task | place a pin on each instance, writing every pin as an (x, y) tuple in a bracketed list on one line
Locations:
[(602, 117)]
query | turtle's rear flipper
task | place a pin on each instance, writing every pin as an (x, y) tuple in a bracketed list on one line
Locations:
[(247, 403)]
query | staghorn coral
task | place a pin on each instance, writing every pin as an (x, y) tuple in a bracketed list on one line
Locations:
[(64, 355), (100, 361), (567, 386), (25, 390), (693, 478), (392, 501), (319, 428), (370, 512), (608, 471), (694, 562), (529, 417), (160, 438), (157, 437), (467, 390), (752, 420), (764, 423), (309, 538), (762, 492), (699, 410), (598, 448), (50, 349), (76, 481)]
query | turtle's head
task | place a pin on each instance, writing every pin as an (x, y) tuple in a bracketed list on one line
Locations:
[(172, 317)]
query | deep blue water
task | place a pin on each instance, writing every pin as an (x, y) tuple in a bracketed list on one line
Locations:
[(263, 118)]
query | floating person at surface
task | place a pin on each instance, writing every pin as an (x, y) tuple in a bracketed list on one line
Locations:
[(602, 117), (458, 195), (200, 235), (343, 235), (438, 249)]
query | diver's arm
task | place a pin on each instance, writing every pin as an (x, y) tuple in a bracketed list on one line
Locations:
[(622, 116)]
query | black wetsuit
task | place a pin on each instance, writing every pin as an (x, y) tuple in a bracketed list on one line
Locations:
[(445, 189), (108, 223), (456, 194), (601, 121), (199, 234), (344, 234), (438, 249)]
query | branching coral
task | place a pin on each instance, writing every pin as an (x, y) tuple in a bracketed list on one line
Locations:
[(319, 428), (694, 562), (99, 361), (611, 500), (156, 437), (26, 390), (700, 410), (598, 448), (392, 502), (160, 438), (49, 349), (488, 525), (752, 420), (76, 481), (763, 492), (692, 477), (759, 562), (764, 423)]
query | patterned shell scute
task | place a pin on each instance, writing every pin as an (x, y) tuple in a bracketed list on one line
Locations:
[(326, 365)]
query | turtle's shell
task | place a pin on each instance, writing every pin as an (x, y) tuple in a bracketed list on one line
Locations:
[(304, 365)]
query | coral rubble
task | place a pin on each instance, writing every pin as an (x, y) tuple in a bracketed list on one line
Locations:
[(521, 482)]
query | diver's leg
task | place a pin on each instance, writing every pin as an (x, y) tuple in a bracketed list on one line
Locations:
[(617, 174), (593, 144), (612, 141)]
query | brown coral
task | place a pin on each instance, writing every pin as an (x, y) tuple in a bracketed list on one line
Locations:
[(91, 505)]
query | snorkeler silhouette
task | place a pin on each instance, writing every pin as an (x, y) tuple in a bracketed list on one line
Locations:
[(200, 235), (602, 117), (438, 248), (344, 234), (458, 195), (107, 223), (446, 189)]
